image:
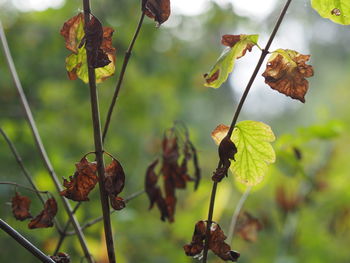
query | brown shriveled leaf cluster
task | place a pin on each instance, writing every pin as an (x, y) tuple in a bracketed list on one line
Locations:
[(287, 201), (45, 218), (216, 242), (82, 182), (227, 150), (286, 72), (174, 173), (248, 227), (114, 184), (61, 257), (159, 10), (20, 207)]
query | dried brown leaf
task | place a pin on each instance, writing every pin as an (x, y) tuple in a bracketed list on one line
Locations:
[(286, 72), (20, 207), (70, 32), (159, 10), (45, 218), (82, 182), (287, 201), (248, 226), (61, 258)]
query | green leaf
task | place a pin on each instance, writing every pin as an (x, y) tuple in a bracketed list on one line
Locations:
[(224, 65), (336, 10), (254, 151)]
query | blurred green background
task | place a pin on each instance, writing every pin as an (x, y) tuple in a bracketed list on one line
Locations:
[(164, 83)]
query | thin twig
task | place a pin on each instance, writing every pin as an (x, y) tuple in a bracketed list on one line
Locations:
[(264, 53), (98, 219), (25, 187), (63, 235), (98, 145), (26, 173), (24, 242), (121, 77), (39, 142), (236, 214)]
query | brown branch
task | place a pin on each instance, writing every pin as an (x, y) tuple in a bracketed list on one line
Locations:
[(24, 242), (121, 77), (234, 120), (24, 187), (99, 146), (39, 143)]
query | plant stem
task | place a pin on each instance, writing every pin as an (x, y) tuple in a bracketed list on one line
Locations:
[(23, 186), (39, 143), (24, 242), (121, 77), (235, 117), (63, 234), (98, 219), (99, 147), (236, 214), (26, 173)]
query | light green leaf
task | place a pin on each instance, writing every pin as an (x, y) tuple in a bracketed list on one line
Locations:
[(224, 65), (336, 10), (254, 151)]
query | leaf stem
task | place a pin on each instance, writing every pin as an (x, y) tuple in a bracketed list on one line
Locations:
[(24, 242), (235, 215), (99, 146), (264, 53), (24, 187), (39, 142), (121, 77)]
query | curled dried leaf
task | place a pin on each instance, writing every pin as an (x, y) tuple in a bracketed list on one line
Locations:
[(248, 226), (98, 42), (286, 72), (287, 201), (114, 184), (216, 242), (20, 207), (45, 218), (159, 10), (61, 257), (82, 182)]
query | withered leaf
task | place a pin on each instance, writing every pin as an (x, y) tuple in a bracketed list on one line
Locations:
[(227, 150), (82, 182), (45, 218), (287, 201), (61, 257), (248, 226), (114, 184), (20, 207), (286, 72), (197, 171), (159, 10), (216, 242), (98, 42)]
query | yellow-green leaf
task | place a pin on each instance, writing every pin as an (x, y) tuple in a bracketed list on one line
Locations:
[(336, 10), (224, 65), (254, 151)]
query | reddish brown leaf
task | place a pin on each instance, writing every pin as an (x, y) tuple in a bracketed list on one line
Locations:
[(248, 226), (216, 242), (70, 32), (61, 258), (286, 72), (230, 40), (159, 10), (117, 202), (45, 218), (82, 182), (114, 184), (287, 201), (20, 207)]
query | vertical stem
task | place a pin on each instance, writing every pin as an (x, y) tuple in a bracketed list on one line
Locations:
[(99, 147), (40, 145), (24, 242), (236, 213), (121, 77), (264, 53)]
